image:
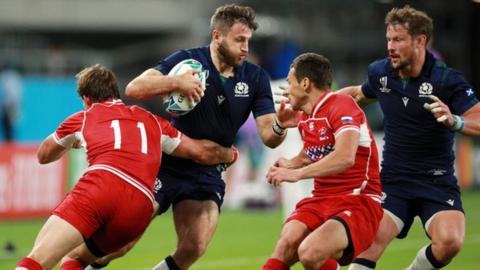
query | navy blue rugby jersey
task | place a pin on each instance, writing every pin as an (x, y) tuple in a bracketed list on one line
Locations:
[(224, 108), (415, 143)]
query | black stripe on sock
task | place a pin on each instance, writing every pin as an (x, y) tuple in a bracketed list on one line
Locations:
[(365, 262), (431, 258), (172, 265), (98, 265)]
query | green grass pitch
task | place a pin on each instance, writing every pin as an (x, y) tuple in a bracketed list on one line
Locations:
[(244, 240)]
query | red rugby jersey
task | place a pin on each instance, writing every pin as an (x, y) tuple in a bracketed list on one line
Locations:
[(125, 140), (333, 114)]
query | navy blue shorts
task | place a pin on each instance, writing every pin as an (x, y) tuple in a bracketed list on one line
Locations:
[(172, 188), (410, 196)]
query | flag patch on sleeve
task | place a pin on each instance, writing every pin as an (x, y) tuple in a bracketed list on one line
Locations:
[(346, 119)]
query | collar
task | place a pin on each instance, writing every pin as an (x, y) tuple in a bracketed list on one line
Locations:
[(112, 102), (320, 101)]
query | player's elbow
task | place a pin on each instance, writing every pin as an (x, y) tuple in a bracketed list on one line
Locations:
[(346, 162), (42, 157), (271, 142), (132, 90), (136, 90)]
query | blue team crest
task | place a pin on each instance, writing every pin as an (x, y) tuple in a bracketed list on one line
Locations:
[(241, 89)]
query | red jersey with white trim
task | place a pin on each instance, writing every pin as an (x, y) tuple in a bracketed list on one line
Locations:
[(333, 114), (125, 140)]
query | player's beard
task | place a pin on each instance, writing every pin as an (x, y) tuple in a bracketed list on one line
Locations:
[(402, 64), (405, 63), (227, 56)]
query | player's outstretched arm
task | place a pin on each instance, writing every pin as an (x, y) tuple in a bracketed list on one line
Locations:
[(50, 151), (270, 130), (472, 121), (153, 83), (205, 152), (342, 158), (298, 161), (357, 94), (468, 123)]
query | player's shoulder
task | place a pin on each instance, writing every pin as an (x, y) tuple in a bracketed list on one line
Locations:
[(251, 67), (380, 67), (75, 117), (135, 109), (341, 103), (198, 53), (147, 115), (77, 114), (446, 74), (341, 98), (253, 72)]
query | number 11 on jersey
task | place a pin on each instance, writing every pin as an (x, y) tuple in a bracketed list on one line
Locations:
[(118, 135)]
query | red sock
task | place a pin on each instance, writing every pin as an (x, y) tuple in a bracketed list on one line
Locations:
[(275, 264), (29, 263), (330, 264), (72, 265)]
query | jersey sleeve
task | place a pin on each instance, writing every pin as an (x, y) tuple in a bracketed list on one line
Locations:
[(68, 131), (171, 137), (165, 65), (345, 115), (463, 96), (368, 86), (263, 103)]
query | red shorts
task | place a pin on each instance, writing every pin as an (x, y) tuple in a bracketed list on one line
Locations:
[(359, 213), (107, 211)]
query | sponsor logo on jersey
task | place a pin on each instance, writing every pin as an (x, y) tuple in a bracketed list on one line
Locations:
[(383, 81), (241, 89), (425, 89), (323, 134), (451, 201), (438, 172), (220, 99), (348, 213), (405, 101)]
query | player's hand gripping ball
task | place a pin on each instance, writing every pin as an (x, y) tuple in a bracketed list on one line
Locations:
[(175, 103)]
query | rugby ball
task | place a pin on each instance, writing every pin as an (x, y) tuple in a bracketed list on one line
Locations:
[(175, 103)]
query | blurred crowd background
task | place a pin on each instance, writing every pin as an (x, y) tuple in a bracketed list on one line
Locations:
[(44, 43)]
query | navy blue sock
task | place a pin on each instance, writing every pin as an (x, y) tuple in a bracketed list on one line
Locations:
[(98, 265), (172, 265), (431, 258), (365, 262)]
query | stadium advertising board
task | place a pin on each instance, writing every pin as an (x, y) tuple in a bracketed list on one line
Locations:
[(28, 189)]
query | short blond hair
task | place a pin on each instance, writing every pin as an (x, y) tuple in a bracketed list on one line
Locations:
[(415, 21), (227, 15), (98, 83)]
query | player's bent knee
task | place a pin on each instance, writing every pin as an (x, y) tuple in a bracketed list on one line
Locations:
[(285, 243), (448, 247), (192, 249), (309, 256)]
